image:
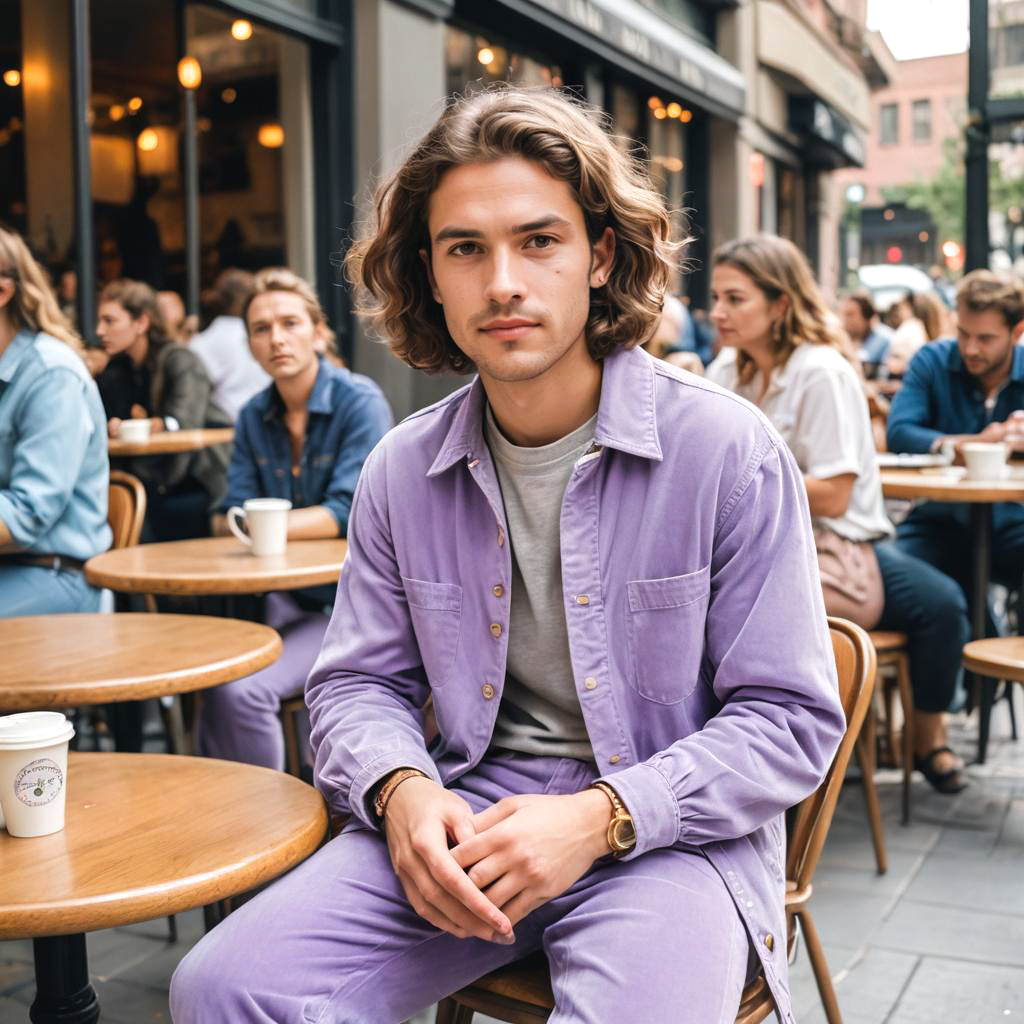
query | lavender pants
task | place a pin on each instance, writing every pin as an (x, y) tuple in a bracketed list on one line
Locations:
[(238, 721), (657, 939)]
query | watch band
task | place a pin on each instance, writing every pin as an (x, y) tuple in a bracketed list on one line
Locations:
[(386, 791), (621, 830)]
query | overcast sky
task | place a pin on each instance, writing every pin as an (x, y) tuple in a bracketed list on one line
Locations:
[(920, 28)]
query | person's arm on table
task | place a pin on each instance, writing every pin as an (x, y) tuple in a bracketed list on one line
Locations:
[(365, 696), (53, 432), (909, 427)]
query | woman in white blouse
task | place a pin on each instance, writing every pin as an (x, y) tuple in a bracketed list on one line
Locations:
[(783, 351)]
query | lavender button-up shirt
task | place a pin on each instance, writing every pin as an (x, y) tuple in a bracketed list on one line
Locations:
[(696, 624)]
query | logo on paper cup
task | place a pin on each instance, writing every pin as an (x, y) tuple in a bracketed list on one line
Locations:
[(39, 782)]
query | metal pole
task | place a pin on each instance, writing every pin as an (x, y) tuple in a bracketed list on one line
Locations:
[(85, 232), (976, 162), (191, 205)]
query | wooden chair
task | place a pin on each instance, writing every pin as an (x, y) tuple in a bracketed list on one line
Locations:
[(891, 649), (290, 714), (126, 508), (521, 993)]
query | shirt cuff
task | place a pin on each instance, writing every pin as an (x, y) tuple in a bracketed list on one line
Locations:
[(651, 803), (363, 784)]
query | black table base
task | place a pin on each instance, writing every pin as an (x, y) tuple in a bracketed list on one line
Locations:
[(63, 992)]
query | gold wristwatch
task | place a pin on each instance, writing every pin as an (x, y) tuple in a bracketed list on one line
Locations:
[(390, 784), (621, 831)]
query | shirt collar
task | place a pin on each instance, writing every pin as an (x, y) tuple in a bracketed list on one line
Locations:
[(11, 359), (321, 399), (625, 415)]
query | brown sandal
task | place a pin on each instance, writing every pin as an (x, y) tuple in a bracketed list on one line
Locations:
[(948, 782)]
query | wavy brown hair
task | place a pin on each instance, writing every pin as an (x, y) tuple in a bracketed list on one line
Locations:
[(778, 268), (33, 307), (571, 141), (138, 298), (982, 290)]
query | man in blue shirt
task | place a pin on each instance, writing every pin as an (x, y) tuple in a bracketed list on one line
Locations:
[(970, 389), (869, 335), (303, 438)]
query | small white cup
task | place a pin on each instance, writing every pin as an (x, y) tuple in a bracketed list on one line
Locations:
[(948, 451), (266, 520), (34, 771), (135, 430), (985, 460)]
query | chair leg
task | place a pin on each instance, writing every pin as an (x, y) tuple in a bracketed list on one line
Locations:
[(1013, 710), (907, 754), (985, 717), (820, 967), (866, 758), (451, 1012)]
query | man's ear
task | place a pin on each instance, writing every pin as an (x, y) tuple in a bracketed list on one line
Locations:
[(425, 256), (143, 323), (1017, 333), (6, 291), (602, 258)]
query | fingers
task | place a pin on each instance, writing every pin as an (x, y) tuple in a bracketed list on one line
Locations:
[(487, 871), (522, 905), (427, 911), (461, 827), (490, 816), (455, 883)]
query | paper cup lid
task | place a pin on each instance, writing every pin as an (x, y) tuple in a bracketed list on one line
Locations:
[(34, 729)]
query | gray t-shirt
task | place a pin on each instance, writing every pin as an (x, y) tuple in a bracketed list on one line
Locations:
[(540, 711)]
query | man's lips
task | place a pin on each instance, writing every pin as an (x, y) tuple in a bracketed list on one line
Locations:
[(508, 330)]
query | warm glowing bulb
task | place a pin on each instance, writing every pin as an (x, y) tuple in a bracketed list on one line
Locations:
[(241, 30), (485, 56), (271, 136), (674, 109), (922, 236), (229, 95), (12, 78), (190, 74), (889, 215), (686, 116), (148, 140), (654, 102), (135, 104), (116, 112), (661, 113)]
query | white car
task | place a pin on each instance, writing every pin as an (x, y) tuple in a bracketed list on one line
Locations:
[(888, 282)]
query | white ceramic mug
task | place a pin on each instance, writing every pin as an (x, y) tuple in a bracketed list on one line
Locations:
[(985, 460), (266, 520), (34, 771), (135, 430)]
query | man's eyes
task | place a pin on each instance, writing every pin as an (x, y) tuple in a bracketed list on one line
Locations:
[(463, 249), (542, 241), (472, 248)]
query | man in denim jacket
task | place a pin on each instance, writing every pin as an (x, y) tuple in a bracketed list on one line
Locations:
[(601, 570)]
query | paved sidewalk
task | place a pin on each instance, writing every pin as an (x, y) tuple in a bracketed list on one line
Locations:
[(940, 938)]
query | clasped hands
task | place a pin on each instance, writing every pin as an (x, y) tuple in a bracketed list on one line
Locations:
[(507, 860)]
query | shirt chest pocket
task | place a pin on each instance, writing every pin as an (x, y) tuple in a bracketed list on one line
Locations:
[(436, 612), (665, 634)]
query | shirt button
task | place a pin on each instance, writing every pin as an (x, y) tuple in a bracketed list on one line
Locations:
[(582, 599), (769, 942), (590, 683), (614, 759), (487, 690), (495, 629), (498, 591)]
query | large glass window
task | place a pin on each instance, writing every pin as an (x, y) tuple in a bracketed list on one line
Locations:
[(475, 61), (889, 124), (921, 120), (666, 142)]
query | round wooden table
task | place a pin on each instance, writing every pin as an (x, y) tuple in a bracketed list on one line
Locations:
[(1000, 657), (949, 485), (169, 442), (64, 660), (215, 565), (146, 835)]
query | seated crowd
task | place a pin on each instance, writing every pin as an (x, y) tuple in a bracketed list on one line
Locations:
[(525, 488)]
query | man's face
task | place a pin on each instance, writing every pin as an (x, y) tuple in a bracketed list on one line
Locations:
[(117, 329), (511, 264), (282, 334), (985, 342), (853, 320)]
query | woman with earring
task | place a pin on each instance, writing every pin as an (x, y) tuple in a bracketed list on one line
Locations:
[(782, 351), (151, 377), (53, 448)]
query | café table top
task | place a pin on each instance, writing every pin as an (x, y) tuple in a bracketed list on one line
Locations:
[(949, 484), (64, 660), (168, 442), (1000, 657), (147, 835), (215, 565)]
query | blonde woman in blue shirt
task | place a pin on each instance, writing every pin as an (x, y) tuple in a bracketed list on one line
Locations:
[(53, 448)]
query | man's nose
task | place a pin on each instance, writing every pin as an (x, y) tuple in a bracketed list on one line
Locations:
[(504, 283)]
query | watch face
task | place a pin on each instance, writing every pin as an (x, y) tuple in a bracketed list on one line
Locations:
[(623, 833)]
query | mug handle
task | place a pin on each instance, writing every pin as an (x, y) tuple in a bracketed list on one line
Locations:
[(234, 514)]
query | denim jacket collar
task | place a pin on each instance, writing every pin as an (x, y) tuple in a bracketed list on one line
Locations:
[(321, 398), (626, 415), (9, 361)]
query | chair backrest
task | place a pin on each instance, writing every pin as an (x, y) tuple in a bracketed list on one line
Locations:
[(855, 666), (126, 508)]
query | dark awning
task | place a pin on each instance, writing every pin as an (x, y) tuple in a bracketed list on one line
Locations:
[(831, 141)]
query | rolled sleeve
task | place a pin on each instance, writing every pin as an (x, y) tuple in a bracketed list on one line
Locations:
[(652, 803)]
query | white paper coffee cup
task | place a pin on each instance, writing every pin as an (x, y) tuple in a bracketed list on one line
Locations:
[(985, 460), (266, 520), (135, 430), (34, 771)]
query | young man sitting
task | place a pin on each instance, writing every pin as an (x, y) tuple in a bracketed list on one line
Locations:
[(601, 569)]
